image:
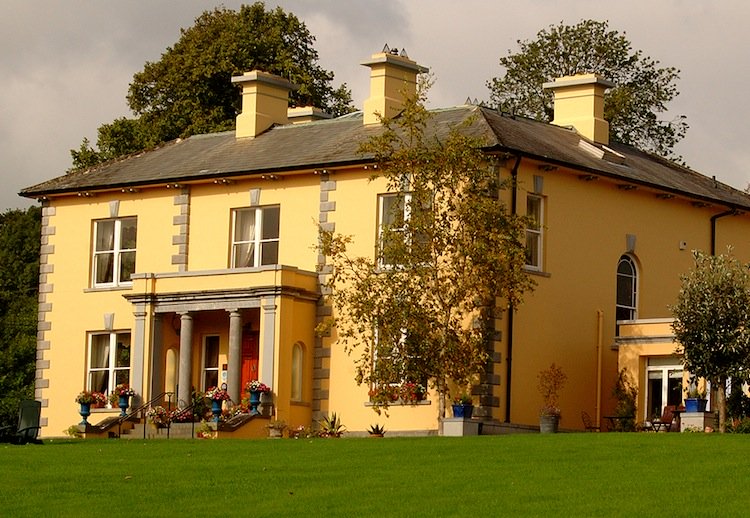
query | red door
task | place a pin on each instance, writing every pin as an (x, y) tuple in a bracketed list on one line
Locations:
[(249, 357)]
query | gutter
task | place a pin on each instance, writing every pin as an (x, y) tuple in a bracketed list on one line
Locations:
[(730, 212), (511, 308)]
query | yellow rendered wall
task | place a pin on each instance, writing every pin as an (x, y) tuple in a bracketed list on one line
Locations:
[(586, 224), (211, 219), (356, 215), (76, 309)]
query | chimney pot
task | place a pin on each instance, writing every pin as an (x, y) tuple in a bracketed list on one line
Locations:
[(392, 76)]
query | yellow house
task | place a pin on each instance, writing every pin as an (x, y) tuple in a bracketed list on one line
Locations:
[(193, 265)]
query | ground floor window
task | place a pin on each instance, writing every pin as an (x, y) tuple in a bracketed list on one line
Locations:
[(663, 385), (109, 361), (210, 362)]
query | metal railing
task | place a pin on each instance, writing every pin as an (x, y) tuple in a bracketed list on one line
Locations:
[(161, 398)]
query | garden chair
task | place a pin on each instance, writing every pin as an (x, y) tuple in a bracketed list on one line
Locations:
[(588, 424), (663, 423), (28, 427)]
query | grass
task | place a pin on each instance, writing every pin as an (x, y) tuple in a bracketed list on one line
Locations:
[(581, 474)]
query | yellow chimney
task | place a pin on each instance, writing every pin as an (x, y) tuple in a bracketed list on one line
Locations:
[(579, 102), (265, 99), (392, 76)]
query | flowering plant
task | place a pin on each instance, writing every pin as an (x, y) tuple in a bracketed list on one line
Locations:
[(217, 394), (256, 386), (411, 392), (158, 415), (123, 389), (463, 399), (87, 397)]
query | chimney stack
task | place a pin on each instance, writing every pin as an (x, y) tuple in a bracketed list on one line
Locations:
[(392, 76), (579, 102), (265, 99)]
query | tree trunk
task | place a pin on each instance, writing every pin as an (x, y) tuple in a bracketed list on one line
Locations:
[(721, 402)]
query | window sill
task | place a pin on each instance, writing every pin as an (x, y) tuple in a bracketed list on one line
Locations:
[(121, 287), (398, 402), (540, 273)]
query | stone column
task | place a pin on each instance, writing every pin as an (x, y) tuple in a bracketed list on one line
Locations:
[(137, 356), (186, 360), (234, 360), (267, 342)]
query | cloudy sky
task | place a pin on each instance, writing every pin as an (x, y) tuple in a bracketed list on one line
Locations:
[(65, 66)]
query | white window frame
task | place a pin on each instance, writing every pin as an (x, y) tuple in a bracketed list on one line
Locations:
[(116, 251), (634, 282), (111, 368), (204, 368), (406, 198), (257, 240), (665, 367), (535, 233)]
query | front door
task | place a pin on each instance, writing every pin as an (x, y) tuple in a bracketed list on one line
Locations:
[(249, 357)]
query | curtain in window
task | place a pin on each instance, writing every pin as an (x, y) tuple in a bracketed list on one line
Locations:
[(99, 363), (104, 252), (244, 238)]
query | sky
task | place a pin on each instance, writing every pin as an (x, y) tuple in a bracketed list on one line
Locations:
[(65, 67)]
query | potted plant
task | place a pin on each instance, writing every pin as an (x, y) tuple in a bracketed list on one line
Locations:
[(86, 398), (217, 396), (276, 428), (120, 397), (695, 401), (255, 388), (411, 392), (331, 426), (463, 406), (376, 430), (550, 381), (158, 416)]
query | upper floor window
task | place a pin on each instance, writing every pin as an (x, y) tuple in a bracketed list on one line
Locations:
[(627, 289), (255, 237), (109, 361), (114, 251), (401, 232), (534, 236)]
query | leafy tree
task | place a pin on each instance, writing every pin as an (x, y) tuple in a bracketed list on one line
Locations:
[(422, 309), (712, 321), (19, 278), (632, 107), (189, 90)]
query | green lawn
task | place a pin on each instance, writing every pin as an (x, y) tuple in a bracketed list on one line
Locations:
[(605, 474)]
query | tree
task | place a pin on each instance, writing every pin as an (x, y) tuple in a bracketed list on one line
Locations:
[(19, 281), (712, 321), (422, 309), (189, 91), (641, 93)]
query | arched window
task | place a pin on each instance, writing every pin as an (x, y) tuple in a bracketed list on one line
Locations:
[(627, 289), (298, 354)]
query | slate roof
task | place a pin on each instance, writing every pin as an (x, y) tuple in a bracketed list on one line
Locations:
[(335, 142)]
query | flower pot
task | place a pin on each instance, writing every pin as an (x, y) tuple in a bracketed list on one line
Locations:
[(464, 411), (216, 409), (695, 404), (275, 433), (548, 423), (85, 412), (123, 402), (254, 401)]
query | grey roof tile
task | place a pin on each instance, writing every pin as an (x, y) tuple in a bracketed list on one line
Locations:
[(335, 142)]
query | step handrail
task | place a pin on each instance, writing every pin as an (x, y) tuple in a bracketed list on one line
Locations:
[(142, 409)]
